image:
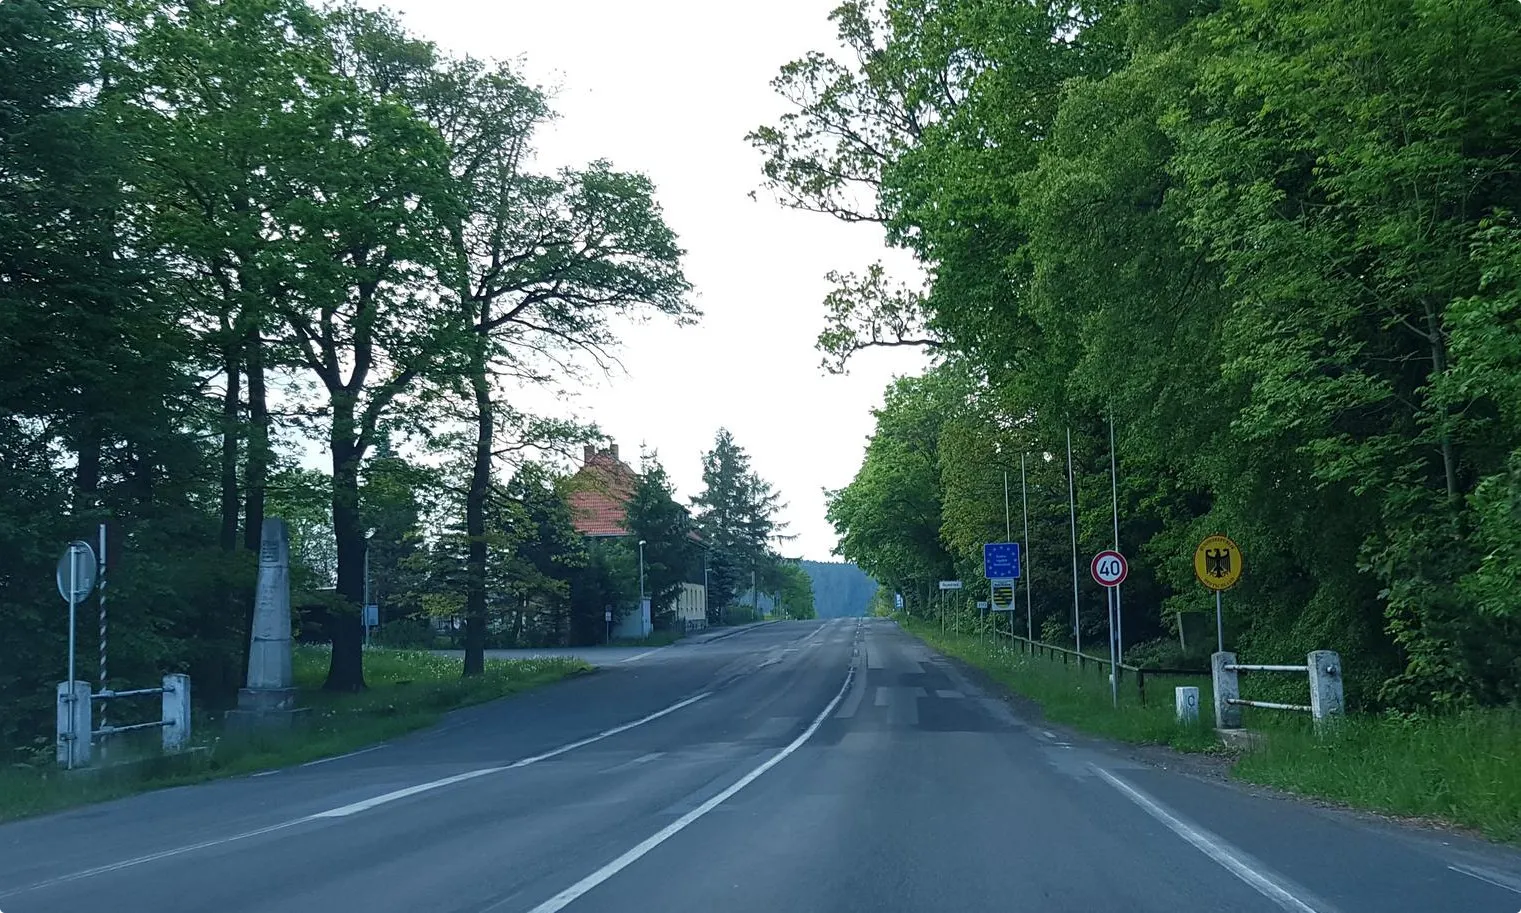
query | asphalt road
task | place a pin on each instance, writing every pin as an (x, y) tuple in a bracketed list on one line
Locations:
[(802, 766)]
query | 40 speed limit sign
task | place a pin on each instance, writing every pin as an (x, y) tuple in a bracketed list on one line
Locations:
[(1109, 568)]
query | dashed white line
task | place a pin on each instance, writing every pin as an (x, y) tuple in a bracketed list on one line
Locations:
[(1212, 846), (354, 808), (640, 655), (340, 757)]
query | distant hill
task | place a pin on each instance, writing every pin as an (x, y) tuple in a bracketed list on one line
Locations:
[(840, 589)]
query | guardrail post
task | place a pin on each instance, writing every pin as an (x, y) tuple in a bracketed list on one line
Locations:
[(1227, 688), (1140, 685), (176, 712), (1325, 685), (74, 724), (1186, 701)]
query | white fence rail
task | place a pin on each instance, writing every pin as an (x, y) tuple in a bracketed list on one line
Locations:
[(76, 732), (1322, 669)]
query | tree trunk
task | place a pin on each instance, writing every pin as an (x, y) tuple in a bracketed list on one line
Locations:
[(1438, 368), (257, 472), (346, 670), (475, 526), (228, 537), (87, 449)]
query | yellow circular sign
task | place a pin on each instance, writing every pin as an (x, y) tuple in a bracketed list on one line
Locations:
[(1218, 563)]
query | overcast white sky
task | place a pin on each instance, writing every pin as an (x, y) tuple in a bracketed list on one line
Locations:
[(669, 88)]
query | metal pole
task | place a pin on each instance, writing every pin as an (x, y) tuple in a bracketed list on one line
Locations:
[(1008, 535), (1219, 625), (366, 609), (1114, 494), (1114, 669), (101, 585), (1024, 558), (1077, 623), (73, 695)]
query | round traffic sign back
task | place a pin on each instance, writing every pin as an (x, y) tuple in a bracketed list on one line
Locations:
[(76, 571), (1109, 568)]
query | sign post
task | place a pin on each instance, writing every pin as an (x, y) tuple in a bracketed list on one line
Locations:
[(76, 577), (1218, 564), (1110, 569), (945, 587)]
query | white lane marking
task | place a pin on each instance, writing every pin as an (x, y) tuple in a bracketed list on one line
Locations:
[(152, 857), (266, 773), (640, 655), (608, 732), (948, 693), (355, 807), (1048, 733), (340, 757), (1487, 878), (1212, 846), (568, 896)]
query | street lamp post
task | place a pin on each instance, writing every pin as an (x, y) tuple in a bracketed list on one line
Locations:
[(641, 584)]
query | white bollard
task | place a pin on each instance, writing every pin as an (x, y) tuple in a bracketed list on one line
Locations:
[(1186, 701), (1227, 688), (74, 724), (1325, 685), (176, 707)]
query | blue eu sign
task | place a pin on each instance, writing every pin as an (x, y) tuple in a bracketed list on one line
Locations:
[(1000, 559)]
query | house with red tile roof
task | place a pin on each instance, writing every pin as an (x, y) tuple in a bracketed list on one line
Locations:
[(599, 495)]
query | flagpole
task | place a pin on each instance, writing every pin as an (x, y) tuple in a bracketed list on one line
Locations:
[(1077, 622), (1024, 559)]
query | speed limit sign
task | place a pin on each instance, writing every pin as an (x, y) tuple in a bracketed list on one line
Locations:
[(1109, 568)]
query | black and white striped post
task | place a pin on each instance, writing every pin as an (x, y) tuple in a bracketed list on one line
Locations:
[(102, 597)]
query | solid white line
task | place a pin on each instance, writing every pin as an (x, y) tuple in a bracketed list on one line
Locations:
[(1211, 846), (340, 757), (344, 811), (640, 656), (1477, 874), (568, 896)]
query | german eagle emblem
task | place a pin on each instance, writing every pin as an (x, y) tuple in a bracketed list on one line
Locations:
[(1217, 562)]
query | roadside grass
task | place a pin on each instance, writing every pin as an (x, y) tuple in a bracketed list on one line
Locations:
[(1081, 697), (1461, 769), (408, 690)]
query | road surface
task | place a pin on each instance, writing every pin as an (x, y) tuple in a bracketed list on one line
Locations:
[(820, 767)]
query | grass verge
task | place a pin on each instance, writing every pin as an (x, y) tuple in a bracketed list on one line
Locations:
[(408, 690), (1461, 769)]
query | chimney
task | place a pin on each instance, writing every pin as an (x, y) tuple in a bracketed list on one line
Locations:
[(587, 453), (612, 450)]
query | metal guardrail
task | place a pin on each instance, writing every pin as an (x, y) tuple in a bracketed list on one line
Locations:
[(1322, 667), (76, 732), (1138, 673)]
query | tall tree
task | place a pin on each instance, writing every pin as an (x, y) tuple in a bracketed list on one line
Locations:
[(736, 515)]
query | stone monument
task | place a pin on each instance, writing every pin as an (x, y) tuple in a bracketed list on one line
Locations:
[(270, 697)]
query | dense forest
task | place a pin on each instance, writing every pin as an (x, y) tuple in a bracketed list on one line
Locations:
[(264, 259), (840, 589), (1276, 242)]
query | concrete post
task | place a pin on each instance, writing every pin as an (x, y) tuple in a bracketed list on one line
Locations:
[(74, 727), (176, 717), (1227, 687), (1325, 685), (1186, 700)]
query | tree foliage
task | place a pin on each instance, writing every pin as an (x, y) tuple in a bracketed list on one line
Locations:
[(1275, 241)]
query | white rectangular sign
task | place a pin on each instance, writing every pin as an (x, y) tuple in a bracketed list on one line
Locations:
[(950, 584)]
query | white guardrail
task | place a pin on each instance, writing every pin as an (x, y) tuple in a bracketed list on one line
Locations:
[(76, 717), (1321, 667)]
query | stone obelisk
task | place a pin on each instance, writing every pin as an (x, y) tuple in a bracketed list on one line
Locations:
[(270, 696)]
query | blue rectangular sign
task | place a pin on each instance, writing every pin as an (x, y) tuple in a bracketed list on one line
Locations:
[(1000, 559)]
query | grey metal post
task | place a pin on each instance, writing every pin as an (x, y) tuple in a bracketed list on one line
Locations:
[(1219, 624), (1114, 494), (1024, 557), (176, 707), (73, 735), (1008, 532), (1227, 688), (1077, 621), (1325, 685), (364, 612), (1186, 703), (1114, 669)]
